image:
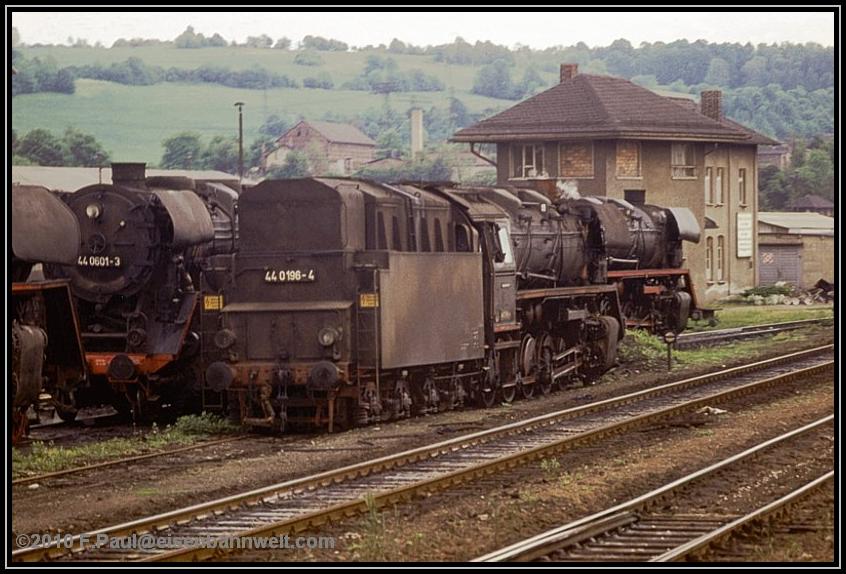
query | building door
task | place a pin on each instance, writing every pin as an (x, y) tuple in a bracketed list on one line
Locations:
[(780, 263)]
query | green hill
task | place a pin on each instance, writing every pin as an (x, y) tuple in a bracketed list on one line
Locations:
[(131, 121)]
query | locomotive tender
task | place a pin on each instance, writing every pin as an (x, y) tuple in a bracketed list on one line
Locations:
[(354, 301), (46, 348), (149, 246)]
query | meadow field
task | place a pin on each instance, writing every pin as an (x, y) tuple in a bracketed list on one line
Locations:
[(132, 121)]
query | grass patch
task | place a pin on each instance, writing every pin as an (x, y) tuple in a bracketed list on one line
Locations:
[(744, 315), (44, 457), (641, 350)]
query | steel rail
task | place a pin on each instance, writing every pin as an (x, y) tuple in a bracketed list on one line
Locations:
[(331, 488), (126, 460), (697, 338), (625, 513), (726, 531)]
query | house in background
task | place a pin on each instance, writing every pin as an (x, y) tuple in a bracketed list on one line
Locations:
[(607, 136), (795, 247), (343, 147), (463, 165), (774, 155), (813, 204)]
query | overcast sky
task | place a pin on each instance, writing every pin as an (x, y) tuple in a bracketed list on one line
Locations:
[(537, 29)]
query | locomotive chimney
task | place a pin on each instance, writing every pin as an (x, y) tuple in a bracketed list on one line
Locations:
[(711, 104), (131, 174), (569, 71)]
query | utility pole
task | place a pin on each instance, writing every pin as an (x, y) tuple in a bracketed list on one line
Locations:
[(240, 106)]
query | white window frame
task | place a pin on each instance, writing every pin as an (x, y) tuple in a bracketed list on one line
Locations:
[(524, 167), (709, 185), (720, 257), (741, 186), (691, 166), (720, 186), (709, 259)]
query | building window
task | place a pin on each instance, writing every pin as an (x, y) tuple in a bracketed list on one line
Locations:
[(527, 160), (682, 160), (709, 259), (575, 159), (718, 187), (721, 252), (709, 190), (741, 185), (628, 159)]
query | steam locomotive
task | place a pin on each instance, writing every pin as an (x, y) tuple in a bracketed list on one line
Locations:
[(46, 348), (356, 301), (149, 246)]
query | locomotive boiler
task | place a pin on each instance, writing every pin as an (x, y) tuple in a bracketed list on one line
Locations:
[(639, 249), (147, 244), (46, 348), (356, 301)]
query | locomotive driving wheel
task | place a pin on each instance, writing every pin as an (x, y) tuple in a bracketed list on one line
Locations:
[(545, 357), (488, 384), (509, 391), (528, 366)]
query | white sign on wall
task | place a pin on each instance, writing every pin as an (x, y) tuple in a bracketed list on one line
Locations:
[(744, 235)]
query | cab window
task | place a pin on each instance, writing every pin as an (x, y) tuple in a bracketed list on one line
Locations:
[(505, 244)]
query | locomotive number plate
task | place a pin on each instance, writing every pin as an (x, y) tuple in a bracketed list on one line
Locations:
[(98, 261), (289, 276)]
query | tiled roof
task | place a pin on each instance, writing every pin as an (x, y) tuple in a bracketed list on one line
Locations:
[(812, 202), (589, 106), (341, 133)]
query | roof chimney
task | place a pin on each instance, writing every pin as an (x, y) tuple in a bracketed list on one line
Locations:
[(416, 132), (711, 104), (129, 174), (569, 71)]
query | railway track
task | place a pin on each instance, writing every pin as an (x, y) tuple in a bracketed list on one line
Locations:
[(639, 530), (701, 338), (296, 505), (126, 460)]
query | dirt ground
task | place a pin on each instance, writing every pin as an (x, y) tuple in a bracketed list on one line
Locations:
[(488, 514), (100, 498)]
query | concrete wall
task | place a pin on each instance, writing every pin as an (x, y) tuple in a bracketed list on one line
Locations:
[(817, 259)]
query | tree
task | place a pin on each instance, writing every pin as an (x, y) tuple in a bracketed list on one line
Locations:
[(182, 151), (494, 80), (16, 37), (41, 148), (82, 149), (817, 174), (263, 41), (221, 154), (283, 43), (296, 165), (719, 73), (772, 188)]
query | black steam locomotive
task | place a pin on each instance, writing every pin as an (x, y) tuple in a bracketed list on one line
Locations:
[(149, 246), (47, 355), (356, 302)]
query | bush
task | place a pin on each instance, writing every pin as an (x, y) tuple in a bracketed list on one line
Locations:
[(308, 59)]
